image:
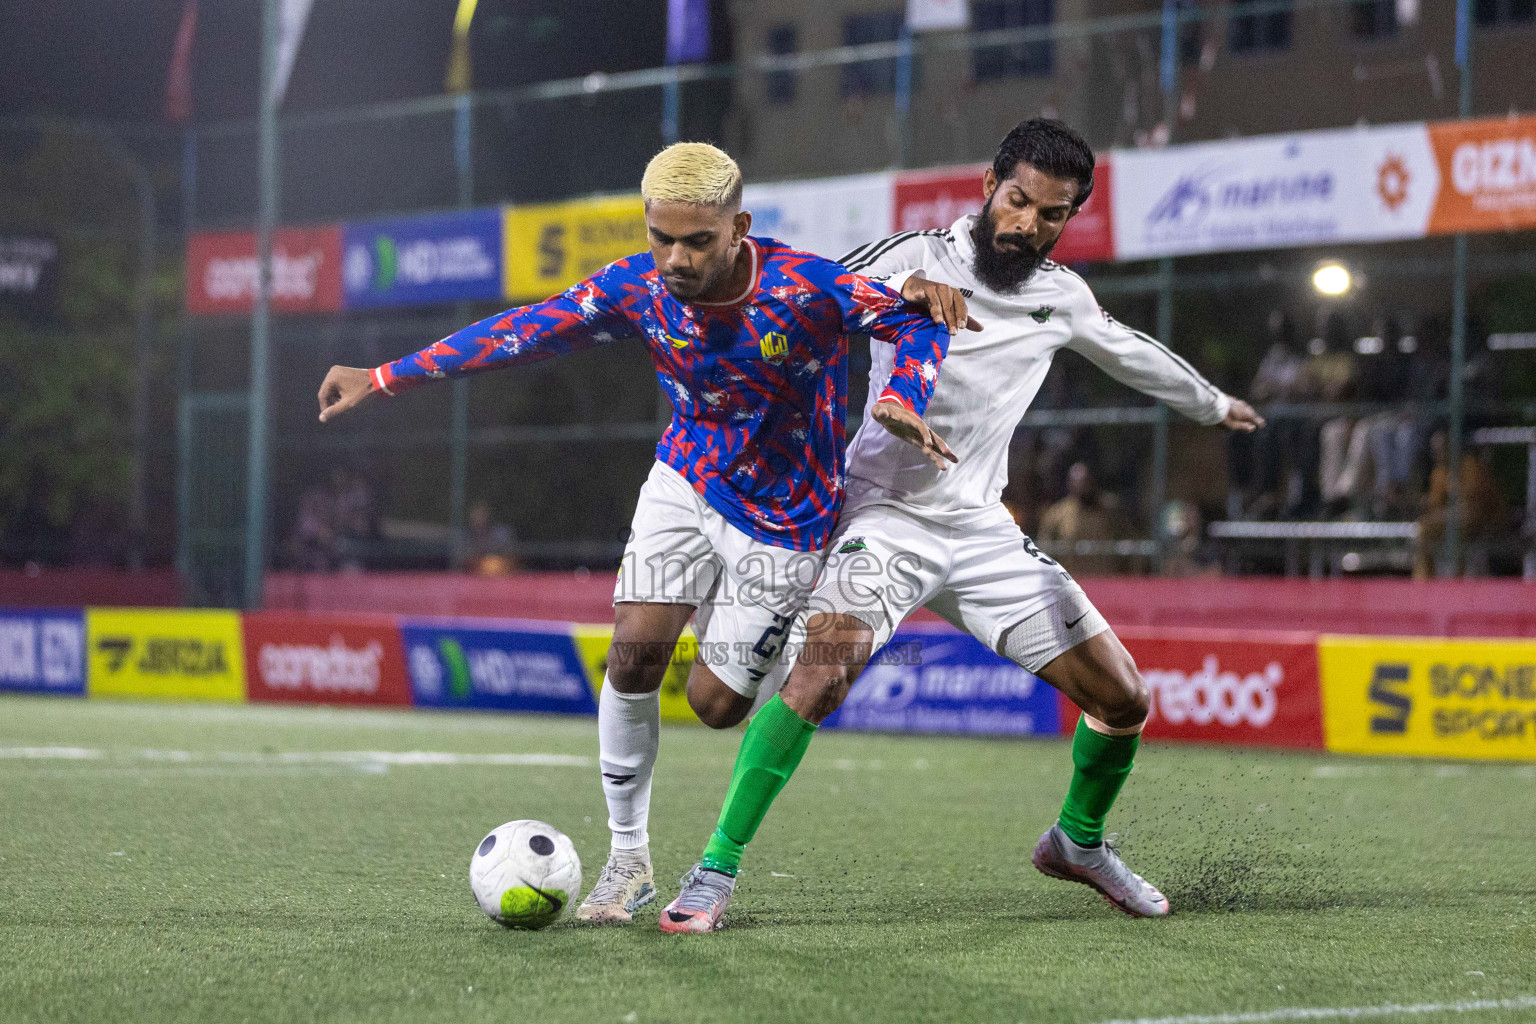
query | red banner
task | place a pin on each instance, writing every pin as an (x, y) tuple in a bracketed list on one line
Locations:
[(306, 271), (325, 659), (937, 198), (1215, 686)]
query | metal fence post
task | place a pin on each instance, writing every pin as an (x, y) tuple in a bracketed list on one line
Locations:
[(458, 431), (261, 314), (1454, 509)]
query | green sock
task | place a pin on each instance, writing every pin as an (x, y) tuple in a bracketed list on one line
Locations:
[(770, 751), (1101, 765)]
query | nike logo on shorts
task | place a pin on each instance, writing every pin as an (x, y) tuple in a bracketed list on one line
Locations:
[(1075, 621)]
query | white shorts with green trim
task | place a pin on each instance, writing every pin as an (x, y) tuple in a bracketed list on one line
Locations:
[(885, 562)]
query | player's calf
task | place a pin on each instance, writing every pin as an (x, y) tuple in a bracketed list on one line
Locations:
[(717, 705)]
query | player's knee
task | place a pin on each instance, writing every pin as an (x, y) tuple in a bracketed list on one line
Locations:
[(718, 710), (1130, 701), (633, 675)]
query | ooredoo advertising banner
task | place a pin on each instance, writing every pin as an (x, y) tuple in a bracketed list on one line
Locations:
[(445, 257), (1275, 191), (324, 659), (1488, 175), (937, 198), (506, 665), (1438, 698), (934, 679), (829, 216), (306, 271), (550, 247), (42, 651), (1211, 686), (175, 654)]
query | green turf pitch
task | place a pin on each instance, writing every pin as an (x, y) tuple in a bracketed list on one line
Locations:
[(200, 863)]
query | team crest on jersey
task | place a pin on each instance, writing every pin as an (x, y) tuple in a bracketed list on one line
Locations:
[(1042, 314), (774, 346), (851, 545), (678, 342)]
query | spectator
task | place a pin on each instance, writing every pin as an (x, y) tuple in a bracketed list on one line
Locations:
[(312, 548), (490, 548), (1186, 552), (1484, 513), (1085, 514), (1274, 470), (356, 522)]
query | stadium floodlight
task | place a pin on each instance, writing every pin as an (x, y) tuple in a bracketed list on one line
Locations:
[(1331, 279)]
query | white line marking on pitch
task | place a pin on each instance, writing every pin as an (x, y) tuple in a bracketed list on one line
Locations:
[(1330, 1012), (362, 757)]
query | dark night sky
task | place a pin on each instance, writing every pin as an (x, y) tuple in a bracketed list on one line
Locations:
[(107, 59)]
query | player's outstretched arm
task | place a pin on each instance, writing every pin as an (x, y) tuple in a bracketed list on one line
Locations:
[(591, 312), (344, 387), (909, 426)]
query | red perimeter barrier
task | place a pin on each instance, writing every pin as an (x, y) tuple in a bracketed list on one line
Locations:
[(74, 588), (1384, 607)]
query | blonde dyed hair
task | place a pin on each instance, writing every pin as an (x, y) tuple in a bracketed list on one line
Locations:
[(692, 172)]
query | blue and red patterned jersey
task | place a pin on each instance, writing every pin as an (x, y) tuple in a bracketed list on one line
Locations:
[(759, 386)]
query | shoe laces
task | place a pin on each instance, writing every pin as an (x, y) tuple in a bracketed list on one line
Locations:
[(1117, 866), (704, 890), (613, 883)]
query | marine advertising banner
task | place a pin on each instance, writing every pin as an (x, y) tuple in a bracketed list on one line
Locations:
[(548, 248), (1274, 191), (937, 198), (175, 654), (1219, 686), (498, 664), (828, 216), (1437, 698), (325, 659), (43, 651), (407, 261), (306, 271), (931, 678), (1488, 175)]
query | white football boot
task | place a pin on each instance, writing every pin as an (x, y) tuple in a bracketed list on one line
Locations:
[(626, 884), (1102, 869)]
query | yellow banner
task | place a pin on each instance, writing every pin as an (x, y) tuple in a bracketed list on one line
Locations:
[(174, 653), (548, 248), (1437, 698), (592, 648)]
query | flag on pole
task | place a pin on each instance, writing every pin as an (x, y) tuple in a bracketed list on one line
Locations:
[(460, 77), (178, 81), (687, 31), (290, 33), (934, 15)]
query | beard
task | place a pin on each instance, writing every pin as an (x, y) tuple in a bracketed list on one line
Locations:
[(1004, 268), (690, 288)]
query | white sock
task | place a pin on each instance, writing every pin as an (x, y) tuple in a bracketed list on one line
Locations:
[(628, 732)]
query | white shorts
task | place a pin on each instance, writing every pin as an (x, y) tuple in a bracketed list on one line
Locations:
[(883, 563), (747, 593)]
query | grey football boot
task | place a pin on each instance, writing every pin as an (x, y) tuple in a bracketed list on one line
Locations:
[(625, 885)]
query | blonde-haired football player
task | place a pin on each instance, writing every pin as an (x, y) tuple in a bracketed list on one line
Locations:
[(749, 340)]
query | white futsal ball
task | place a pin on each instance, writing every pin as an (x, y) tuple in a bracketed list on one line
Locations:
[(524, 874)]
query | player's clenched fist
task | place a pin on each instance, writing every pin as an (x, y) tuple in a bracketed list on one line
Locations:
[(946, 305), (343, 387), (909, 426)]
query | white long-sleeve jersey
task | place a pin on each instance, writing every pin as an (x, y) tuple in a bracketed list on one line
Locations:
[(990, 377)]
